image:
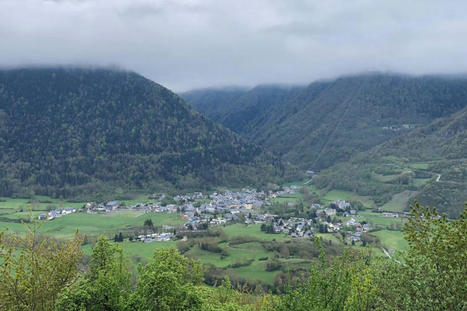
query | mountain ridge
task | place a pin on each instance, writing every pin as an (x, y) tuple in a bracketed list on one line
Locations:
[(64, 130)]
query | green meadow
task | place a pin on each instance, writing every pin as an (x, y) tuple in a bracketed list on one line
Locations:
[(96, 224), (392, 239)]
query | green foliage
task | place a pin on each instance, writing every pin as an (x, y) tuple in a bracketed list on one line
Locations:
[(432, 275), (106, 287), (341, 284), (34, 269), (148, 223), (168, 282)]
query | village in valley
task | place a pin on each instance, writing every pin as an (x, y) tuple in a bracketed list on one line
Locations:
[(201, 211)]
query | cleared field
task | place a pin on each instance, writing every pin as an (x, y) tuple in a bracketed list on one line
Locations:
[(38, 203), (333, 237), (246, 251), (377, 219), (418, 182), (256, 271), (251, 230), (385, 178), (287, 198), (348, 196), (96, 224), (399, 201), (392, 239), (420, 165)]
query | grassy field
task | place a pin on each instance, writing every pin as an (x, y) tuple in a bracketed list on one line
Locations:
[(286, 198), (398, 201), (330, 237), (96, 224), (346, 195), (420, 165), (251, 230), (376, 219), (392, 239), (253, 250), (38, 203)]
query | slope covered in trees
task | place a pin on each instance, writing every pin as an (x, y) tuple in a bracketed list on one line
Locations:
[(326, 122), (214, 102), (430, 161), (69, 131)]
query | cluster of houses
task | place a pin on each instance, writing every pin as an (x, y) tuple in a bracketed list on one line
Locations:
[(56, 213), (396, 128), (246, 206), (395, 215), (295, 227), (224, 207), (301, 227), (358, 229), (156, 237), (93, 208)]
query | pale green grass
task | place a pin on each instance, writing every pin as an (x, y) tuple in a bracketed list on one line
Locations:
[(37, 203), (334, 237), (253, 250), (399, 201), (392, 239), (385, 178), (377, 219), (97, 224), (420, 165), (348, 196), (286, 198), (251, 230), (256, 271), (418, 182)]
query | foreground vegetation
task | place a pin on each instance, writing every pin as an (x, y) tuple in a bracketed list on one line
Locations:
[(40, 273)]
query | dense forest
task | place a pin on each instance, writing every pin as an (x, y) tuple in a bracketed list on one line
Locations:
[(40, 273), (65, 132), (326, 122)]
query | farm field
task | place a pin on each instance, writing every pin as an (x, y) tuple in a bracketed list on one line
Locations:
[(398, 201), (96, 224), (251, 230), (392, 239), (377, 220)]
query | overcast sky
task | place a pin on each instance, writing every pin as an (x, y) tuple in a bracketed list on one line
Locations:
[(185, 44)]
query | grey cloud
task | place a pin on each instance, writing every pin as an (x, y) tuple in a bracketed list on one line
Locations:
[(186, 44)]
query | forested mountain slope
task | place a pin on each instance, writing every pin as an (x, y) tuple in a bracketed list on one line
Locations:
[(214, 103), (430, 162), (327, 122), (69, 131)]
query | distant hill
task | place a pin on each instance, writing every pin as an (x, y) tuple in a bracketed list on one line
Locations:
[(326, 122), (430, 161), (214, 103), (65, 132)]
